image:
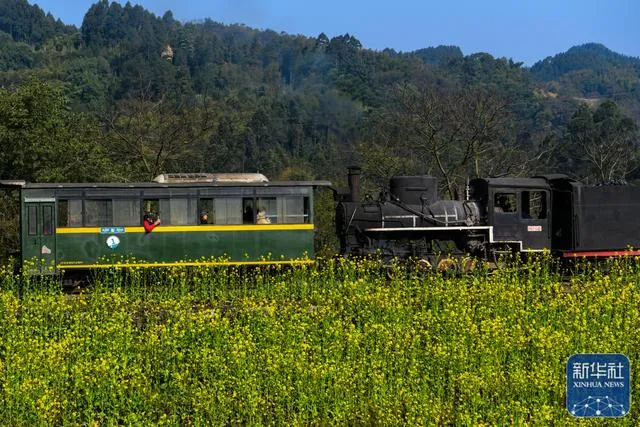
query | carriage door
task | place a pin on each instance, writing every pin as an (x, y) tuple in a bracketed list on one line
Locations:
[(40, 242)]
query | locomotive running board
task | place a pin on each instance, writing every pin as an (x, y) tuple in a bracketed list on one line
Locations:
[(472, 227), (489, 228)]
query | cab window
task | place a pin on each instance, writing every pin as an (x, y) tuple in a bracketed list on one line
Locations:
[(505, 203), (534, 205)]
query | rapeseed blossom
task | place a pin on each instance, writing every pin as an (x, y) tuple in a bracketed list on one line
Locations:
[(342, 342)]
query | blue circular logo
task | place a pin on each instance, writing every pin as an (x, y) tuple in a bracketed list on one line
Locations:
[(113, 242)]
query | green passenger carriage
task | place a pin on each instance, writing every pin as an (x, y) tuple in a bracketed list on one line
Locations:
[(82, 226)]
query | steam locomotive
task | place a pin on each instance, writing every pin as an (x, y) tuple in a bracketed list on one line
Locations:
[(497, 216)]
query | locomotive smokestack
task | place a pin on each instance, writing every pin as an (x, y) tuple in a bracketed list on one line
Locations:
[(354, 183)]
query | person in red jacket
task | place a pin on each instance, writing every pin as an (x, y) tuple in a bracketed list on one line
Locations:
[(150, 222)]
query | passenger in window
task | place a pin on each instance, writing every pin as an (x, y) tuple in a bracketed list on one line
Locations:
[(204, 217), (262, 217), (150, 222)]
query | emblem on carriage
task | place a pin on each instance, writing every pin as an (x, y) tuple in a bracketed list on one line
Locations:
[(113, 242)]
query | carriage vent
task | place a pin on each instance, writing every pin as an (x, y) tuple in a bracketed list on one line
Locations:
[(210, 177)]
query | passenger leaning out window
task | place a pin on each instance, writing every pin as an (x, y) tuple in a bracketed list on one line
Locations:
[(150, 222)]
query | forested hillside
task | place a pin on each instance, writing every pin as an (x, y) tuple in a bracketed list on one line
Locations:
[(594, 73), (135, 95)]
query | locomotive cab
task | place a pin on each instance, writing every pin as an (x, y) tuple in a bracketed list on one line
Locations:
[(518, 210)]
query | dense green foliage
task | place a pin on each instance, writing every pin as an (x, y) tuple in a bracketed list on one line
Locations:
[(593, 56), (27, 23), (592, 72), (337, 345), (133, 95), (239, 99), (44, 140), (439, 54)]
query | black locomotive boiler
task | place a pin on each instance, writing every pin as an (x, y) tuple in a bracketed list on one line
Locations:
[(498, 215)]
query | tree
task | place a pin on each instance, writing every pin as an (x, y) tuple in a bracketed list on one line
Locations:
[(605, 141), (454, 129), (450, 133), (158, 136), (28, 23), (92, 24), (42, 141), (322, 42)]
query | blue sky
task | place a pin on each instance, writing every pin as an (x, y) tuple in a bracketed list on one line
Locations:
[(524, 30)]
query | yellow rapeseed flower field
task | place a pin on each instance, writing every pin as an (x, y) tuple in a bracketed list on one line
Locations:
[(342, 342)]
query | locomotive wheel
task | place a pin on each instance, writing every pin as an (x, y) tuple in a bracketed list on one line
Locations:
[(468, 264), (424, 263), (447, 265)]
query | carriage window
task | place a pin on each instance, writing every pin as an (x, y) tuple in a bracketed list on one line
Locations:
[(505, 202), (98, 212), (158, 208), (247, 210), (295, 210), (69, 213), (126, 212), (267, 208), (47, 220), (206, 213), (228, 210), (151, 206), (32, 215), (180, 212), (534, 205)]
